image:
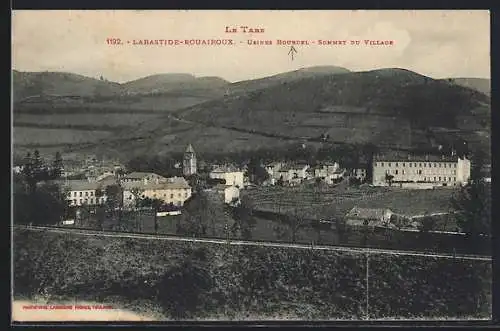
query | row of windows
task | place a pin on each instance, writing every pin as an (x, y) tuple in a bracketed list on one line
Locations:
[(164, 195), (419, 172), (441, 179), (91, 201), (414, 164), (81, 194), (172, 195)]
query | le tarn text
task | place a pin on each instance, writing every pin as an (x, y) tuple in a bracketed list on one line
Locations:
[(244, 29)]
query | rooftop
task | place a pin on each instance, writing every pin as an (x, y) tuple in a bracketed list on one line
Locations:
[(403, 156), (155, 186), (77, 184), (140, 175), (225, 168), (367, 213), (293, 167), (190, 149)]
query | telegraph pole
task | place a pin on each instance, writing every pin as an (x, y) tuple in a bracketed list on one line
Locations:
[(367, 286)]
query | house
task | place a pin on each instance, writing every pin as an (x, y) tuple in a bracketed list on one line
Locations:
[(231, 175), (369, 217), (335, 177), (143, 177), (486, 173), (359, 173), (326, 169), (225, 193), (173, 190), (420, 171), (17, 169), (293, 173), (272, 170), (82, 192)]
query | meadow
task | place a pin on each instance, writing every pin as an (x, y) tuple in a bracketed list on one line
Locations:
[(335, 202), (201, 281)]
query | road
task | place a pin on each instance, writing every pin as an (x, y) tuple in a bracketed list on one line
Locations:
[(362, 251)]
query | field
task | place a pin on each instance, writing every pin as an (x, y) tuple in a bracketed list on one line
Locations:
[(51, 137), (247, 282), (82, 119), (335, 202)]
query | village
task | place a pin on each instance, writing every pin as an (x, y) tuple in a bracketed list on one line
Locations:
[(90, 186)]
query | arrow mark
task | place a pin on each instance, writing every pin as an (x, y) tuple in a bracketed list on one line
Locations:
[(292, 51)]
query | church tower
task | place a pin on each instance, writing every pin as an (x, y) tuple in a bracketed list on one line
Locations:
[(189, 162)]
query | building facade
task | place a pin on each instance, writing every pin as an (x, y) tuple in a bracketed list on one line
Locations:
[(175, 191), (326, 170), (293, 173), (226, 194), (359, 173), (83, 192), (189, 162), (420, 171), (233, 177)]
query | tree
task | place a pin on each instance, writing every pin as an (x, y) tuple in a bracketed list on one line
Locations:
[(47, 205), (243, 216), (316, 225), (198, 213), (341, 229), (473, 201), (297, 221), (34, 171), (472, 205), (114, 198), (389, 178), (256, 172), (427, 224), (57, 166), (137, 194)]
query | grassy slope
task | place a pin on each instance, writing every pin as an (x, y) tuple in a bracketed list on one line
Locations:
[(248, 282), (337, 201), (479, 84), (387, 107)]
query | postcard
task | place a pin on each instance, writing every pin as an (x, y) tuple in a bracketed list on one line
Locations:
[(251, 165)]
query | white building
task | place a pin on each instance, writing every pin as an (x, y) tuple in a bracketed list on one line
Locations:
[(173, 190), (420, 171), (227, 194), (83, 192), (369, 217), (359, 173), (325, 170), (293, 173), (232, 176)]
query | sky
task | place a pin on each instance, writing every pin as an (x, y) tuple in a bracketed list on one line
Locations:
[(435, 43)]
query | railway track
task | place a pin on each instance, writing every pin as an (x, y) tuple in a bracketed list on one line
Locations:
[(237, 242)]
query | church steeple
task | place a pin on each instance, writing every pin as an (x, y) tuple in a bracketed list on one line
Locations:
[(189, 161)]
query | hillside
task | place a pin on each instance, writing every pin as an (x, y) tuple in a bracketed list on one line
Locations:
[(266, 82), (184, 280), (479, 84), (162, 83), (390, 107), (26, 84), (393, 108)]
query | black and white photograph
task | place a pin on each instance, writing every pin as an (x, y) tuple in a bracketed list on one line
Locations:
[(251, 165)]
